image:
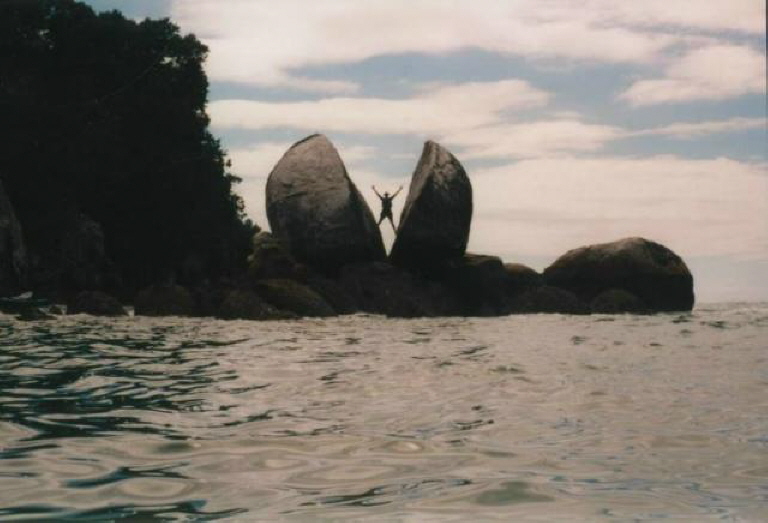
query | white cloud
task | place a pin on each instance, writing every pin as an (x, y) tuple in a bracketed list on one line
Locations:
[(747, 16), (713, 72), (543, 207), (429, 114), (261, 42), (532, 139), (689, 130)]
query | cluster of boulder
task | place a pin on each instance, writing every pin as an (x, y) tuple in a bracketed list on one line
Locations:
[(325, 257)]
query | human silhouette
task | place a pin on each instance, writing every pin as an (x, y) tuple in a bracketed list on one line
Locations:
[(386, 206)]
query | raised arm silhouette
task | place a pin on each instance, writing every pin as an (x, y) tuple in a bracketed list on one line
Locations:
[(386, 205)]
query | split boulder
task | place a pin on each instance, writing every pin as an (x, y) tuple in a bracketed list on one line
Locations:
[(317, 212), (434, 225)]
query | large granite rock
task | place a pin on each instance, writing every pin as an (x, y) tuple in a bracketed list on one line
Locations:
[(316, 210), (434, 224), (650, 271), (13, 254)]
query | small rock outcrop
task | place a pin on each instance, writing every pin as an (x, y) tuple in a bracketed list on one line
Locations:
[(617, 301), (293, 297), (35, 314), (271, 259), (96, 303), (480, 283), (13, 254), (646, 269), (520, 278), (381, 288), (84, 263), (242, 304), (332, 291), (546, 299), (74, 260), (164, 300), (434, 224), (316, 210)]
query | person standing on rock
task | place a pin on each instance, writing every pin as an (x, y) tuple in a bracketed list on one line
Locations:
[(386, 205)]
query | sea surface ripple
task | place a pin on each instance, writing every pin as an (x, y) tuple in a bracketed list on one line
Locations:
[(362, 418)]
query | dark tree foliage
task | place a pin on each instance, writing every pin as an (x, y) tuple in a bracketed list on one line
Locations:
[(107, 116)]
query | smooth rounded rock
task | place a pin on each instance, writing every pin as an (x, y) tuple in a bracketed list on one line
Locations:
[(434, 225), (649, 270), (317, 212)]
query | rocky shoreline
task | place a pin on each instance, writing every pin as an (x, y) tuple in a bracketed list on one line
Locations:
[(325, 257)]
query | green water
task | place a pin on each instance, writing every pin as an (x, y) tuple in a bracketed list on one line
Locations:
[(525, 418)]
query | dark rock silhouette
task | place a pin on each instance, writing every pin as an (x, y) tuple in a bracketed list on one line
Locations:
[(480, 283), (650, 271), (332, 292), (13, 254), (617, 301), (520, 278), (242, 304), (165, 300), (434, 224), (270, 259), (316, 210), (35, 314), (294, 297), (547, 299), (76, 260), (96, 303), (381, 288)]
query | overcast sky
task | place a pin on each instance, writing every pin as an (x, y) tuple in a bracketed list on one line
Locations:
[(578, 121)]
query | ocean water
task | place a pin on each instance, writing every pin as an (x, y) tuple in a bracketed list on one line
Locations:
[(361, 418)]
